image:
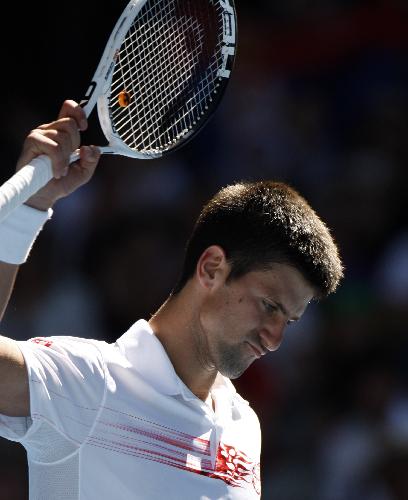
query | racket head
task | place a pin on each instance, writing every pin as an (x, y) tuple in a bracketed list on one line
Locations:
[(164, 71)]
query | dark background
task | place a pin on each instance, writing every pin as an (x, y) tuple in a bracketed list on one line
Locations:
[(318, 99)]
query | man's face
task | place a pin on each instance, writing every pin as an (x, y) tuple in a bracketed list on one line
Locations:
[(245, 318)]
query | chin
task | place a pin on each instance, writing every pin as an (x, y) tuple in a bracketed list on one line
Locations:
[(232, 370), (231, 361)]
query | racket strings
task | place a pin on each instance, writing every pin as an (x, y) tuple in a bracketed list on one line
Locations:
[(168, 66), (160, 72), (150, 133), (169, 76), (136, 84)]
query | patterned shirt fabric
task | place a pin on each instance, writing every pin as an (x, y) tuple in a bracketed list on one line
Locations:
[(115, 421)]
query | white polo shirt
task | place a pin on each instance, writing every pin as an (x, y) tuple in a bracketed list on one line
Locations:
[(115, 422)]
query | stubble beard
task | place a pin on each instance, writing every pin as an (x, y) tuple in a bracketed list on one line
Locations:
[(227, 359), (230, 361)]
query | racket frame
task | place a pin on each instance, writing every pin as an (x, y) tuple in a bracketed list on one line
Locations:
[(99, 89), (32, 177)]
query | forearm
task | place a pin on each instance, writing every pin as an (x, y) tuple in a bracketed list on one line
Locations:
[(21, 227), (17, 235), (8, 273)]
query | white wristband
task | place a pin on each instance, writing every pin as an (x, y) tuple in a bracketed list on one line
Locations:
[(19, 231)]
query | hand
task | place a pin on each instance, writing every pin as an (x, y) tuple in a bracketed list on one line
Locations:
[(58, 140)]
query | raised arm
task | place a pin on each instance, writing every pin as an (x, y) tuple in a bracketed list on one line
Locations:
[(58, 140)]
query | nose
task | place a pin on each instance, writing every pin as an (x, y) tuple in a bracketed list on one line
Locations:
[(271, 335)]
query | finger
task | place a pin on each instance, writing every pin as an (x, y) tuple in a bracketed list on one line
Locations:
[(88, 159), (82, 170), (64, 126), (56, 139), (71, 109), (55, 144), (63, 139)]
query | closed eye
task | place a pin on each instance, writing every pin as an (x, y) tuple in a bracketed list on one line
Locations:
[(269, 306)]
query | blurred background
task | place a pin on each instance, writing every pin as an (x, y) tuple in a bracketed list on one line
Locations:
[(318, 99)]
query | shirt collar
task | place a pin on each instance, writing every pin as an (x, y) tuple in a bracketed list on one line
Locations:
[(148, 357)]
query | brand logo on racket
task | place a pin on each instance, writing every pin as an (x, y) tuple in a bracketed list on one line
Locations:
[(229, 22), (227, 53), (229, 36)]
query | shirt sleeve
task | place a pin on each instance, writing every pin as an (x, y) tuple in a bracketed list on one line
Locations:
[(67, 383)]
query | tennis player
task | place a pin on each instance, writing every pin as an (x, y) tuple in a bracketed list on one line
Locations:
[(155, 414)]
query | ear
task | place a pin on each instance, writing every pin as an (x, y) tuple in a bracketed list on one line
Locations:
[(212, 267)]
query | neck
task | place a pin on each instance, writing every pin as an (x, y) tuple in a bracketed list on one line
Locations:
[(177, 328)]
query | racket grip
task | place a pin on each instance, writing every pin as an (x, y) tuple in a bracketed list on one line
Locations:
[(24, 183)]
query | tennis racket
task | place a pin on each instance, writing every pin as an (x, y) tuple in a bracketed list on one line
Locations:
[(160, 78)]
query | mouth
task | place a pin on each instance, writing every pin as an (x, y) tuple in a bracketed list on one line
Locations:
[(264, 346), (256, 349)]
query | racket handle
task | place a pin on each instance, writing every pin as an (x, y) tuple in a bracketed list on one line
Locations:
[(24, 183)]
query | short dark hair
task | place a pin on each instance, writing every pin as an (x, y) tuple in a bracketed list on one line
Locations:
[(261, 223)]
